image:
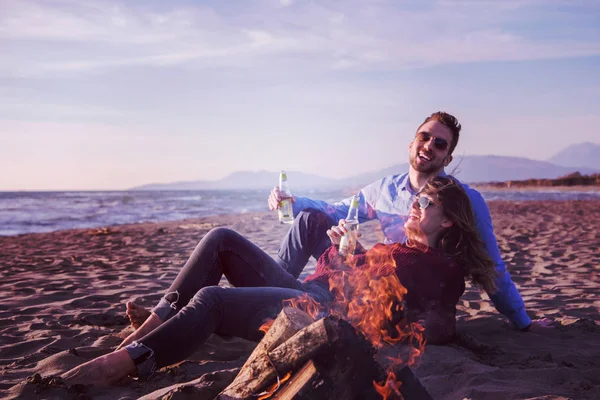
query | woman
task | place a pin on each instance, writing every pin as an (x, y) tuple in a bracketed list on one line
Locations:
[(443, 247)]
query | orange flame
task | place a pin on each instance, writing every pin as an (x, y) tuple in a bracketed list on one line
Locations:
[(304, 303), (264, 328), (370, 298), (273, 388), (391, 386)]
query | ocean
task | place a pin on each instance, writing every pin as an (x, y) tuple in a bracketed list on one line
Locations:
[(31, 212)]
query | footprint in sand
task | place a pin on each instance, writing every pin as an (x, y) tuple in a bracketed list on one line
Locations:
[(102, 320)]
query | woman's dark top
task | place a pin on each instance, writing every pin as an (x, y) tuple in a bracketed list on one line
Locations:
[(434, 282)]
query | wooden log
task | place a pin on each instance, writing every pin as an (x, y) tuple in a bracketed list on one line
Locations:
[(289, 321), (349, 367), (305, 344), (304, 384), (347, 371), (266, 368)]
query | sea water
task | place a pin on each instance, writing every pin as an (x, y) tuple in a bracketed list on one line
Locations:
[(27, 212)]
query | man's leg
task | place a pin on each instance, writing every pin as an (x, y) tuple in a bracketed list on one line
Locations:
[(307, 237)]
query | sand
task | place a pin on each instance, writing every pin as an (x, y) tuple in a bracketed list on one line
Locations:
[(63, 301)]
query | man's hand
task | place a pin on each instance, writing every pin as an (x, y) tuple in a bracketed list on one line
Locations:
[(540, 325), (275, 198)]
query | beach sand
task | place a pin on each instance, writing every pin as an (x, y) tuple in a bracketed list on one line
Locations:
[(63, 301)]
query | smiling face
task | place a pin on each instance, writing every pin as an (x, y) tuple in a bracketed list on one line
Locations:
[(426, 151), (426, 222)]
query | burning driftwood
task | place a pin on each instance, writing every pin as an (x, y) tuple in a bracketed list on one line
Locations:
[(300, 358)]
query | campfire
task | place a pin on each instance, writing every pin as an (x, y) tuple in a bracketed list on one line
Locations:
[(360, 347)]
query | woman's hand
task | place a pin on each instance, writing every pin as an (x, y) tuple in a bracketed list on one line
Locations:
[(335, 233)]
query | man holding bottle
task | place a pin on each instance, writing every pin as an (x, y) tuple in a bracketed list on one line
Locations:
[(389, 200)]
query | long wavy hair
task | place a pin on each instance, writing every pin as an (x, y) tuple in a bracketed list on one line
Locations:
[(461, 241)]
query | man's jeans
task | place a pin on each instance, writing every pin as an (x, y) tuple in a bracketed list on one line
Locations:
[(307, 237)]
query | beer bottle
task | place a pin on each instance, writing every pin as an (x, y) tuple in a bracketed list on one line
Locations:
[(286, 213), (348, 241)]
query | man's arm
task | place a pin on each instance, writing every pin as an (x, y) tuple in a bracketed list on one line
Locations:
[(507, 298), (366, 212)]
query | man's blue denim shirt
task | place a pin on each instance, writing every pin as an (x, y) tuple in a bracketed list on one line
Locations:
[(389, 200)]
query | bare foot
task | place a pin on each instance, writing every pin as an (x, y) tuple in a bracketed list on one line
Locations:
[(150, 324), (106, 370), (137, 314)]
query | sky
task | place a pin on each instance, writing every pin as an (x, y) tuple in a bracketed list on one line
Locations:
[(100, 95)]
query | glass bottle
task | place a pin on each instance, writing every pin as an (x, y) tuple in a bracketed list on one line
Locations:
[(348, 241), (286, 213)]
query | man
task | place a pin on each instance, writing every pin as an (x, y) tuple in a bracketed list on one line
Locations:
[(389, 200)]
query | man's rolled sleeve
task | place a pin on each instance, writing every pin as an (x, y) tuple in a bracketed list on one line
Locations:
[(367, 197), (335, 211)]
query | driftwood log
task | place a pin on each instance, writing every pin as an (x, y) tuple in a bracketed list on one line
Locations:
[(289, 321), (260, 366), (328, 360), (346, 371)]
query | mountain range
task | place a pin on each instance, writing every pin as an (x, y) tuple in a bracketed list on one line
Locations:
[(584, 157)]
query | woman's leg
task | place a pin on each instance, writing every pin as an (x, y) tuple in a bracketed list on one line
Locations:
[(221, 252), (231, 311), (238, 312)]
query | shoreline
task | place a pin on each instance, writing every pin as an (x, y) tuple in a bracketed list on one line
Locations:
[(263, 214), (517, 188)]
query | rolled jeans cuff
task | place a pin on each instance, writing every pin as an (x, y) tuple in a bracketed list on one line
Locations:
[(164, 309), (143, 358)]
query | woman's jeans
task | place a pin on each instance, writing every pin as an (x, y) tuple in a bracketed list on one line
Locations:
[(195, 307)]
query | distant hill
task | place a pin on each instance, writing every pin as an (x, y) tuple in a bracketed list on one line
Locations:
[(574, 179), (247, 180), (472, 169), (498, 168), (578, 155)]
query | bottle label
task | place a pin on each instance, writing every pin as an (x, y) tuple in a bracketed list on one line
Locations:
[(348, 241), (286, 212)]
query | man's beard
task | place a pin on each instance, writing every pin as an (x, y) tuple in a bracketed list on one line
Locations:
[(431, 168)]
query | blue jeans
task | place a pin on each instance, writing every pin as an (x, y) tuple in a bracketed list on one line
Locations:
[(307, 237), (195, 307)]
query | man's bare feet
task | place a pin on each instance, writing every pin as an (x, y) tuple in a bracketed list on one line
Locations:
[(137, 314), (106, 370), (150, 324)]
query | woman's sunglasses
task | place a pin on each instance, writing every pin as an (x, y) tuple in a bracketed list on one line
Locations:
[(438, 143), (424, 202)]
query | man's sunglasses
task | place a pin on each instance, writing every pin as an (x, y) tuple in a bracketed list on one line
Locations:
[(438, 143), (424, 202)]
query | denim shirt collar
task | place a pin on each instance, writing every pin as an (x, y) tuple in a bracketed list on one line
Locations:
[(404, 182)]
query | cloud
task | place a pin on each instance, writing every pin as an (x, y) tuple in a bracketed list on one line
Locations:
[(357, 35), (30, 104)]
